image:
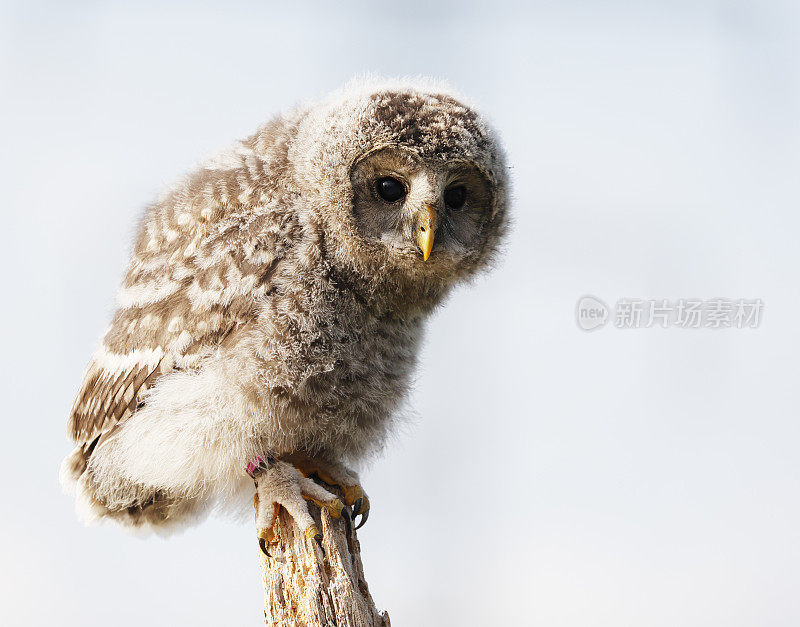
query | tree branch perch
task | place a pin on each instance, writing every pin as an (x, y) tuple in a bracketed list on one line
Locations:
[(306, 585)]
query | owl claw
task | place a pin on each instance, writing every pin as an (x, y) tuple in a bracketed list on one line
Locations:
[(364, 517), (359, 500), (281, 485), (263, 544), (265, 536), (313, 533), (334, 474), (361, 506), (348, 521)]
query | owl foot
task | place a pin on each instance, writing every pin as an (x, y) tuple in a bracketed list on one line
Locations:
[(338, 475), (280, 484)]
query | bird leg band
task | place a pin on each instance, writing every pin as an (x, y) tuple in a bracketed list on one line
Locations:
[(258, 464)]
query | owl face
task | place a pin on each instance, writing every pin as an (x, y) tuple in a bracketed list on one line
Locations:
[(407, 184), (431, 211)]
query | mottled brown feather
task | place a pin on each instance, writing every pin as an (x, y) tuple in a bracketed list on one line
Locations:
[(198, 238)]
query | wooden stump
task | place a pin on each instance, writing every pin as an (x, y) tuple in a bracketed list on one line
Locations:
[(309, 585)]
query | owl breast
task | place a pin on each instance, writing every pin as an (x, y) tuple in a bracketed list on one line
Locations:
[(332, 372), (357, 398)]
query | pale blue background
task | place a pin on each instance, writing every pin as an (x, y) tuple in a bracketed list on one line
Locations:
[(551, 477)]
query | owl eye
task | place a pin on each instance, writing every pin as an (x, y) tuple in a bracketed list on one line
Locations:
[(455, 197), (390, 189)]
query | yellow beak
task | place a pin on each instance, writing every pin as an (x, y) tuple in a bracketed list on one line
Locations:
[(426, 231)]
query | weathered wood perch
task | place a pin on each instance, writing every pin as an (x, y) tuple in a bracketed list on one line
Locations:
[(306, 585)]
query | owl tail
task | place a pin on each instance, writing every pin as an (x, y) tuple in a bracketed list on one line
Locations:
[(133, 506)]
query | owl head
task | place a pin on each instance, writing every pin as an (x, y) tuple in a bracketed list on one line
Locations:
[(407, 183)]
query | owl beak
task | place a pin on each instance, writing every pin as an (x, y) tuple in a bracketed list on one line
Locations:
[(426, 231)]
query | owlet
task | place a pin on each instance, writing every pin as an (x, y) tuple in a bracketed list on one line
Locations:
[(271, 314)]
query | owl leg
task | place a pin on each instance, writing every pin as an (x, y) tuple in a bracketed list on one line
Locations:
[(338, 475), (281, 484)]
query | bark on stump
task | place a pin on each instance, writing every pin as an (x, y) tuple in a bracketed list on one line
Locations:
[(309, 585)]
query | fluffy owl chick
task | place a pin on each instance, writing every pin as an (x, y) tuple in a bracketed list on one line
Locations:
[(273, 307)]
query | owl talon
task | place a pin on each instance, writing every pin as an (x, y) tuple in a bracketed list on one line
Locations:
[(361, 506), (265, 534), (335, 474), (364, 517), (354, 495), (281, 485), (348, 521), (335, 508), (312, 533)]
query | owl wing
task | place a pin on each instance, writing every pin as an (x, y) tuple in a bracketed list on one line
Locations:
[(204, 256)]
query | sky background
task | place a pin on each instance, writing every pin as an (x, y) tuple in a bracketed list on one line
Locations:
[(549, 476)]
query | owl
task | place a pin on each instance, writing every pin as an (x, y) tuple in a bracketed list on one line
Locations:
[(271, 314)]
